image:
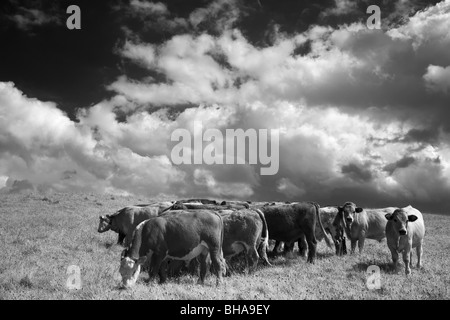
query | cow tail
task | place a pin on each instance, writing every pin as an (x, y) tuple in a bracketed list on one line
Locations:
[(321, 225), (222, 230), (264, 237)]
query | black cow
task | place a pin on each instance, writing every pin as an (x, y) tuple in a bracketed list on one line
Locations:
[(292, 222)]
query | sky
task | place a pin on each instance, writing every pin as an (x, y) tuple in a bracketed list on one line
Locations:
[(363, 114)]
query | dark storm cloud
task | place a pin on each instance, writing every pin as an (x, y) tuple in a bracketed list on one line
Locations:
[(402, 163), (357, 172), (428, 136)]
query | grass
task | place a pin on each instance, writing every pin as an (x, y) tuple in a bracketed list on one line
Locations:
[(41, 236)]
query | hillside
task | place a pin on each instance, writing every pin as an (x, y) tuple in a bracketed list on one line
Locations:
[(41, 236)]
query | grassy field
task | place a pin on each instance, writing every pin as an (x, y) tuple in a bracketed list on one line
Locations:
[(41, 236)]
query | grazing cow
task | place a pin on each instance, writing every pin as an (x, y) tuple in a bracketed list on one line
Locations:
[(245, 230), (126, 219), (180, 235), (361, 224), (405, 230), (291, 222)]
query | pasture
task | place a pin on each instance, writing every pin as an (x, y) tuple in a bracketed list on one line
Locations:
[(42, 235)]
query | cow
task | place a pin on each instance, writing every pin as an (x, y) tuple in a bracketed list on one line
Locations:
[(329, 217), (405, 230), (361, 224), (244, 230), (177, 235), (292, 222), (125, 220)]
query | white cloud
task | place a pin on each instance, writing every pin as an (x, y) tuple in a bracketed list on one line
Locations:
[(437, 78), (342, 7), (148, 7)]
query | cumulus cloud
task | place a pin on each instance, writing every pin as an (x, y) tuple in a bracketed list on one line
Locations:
[(437, 78), (341, 7), (355, 120)]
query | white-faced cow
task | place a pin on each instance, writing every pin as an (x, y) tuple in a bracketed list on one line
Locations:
[(361, 224), (125, 220), (405, 230), (178, 235), (292, 222), (330, 221)]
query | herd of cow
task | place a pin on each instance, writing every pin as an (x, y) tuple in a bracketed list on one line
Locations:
[(163, 234)]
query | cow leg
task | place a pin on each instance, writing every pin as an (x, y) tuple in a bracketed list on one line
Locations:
[(252, 259), (344, 246), (218, 263), (406, 261), (120, 238), (419, 255), (203, 267), (353, 245), (361, 243), (156, 265), (394, 255), (302, 246), (288, 250), (163, 271)]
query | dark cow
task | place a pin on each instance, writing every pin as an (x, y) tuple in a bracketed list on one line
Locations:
[(292, 222), (245, 230), (125, 220), (178, 235)]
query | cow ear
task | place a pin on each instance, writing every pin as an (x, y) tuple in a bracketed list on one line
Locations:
[(358, 210), (412, 218), (388, 216)]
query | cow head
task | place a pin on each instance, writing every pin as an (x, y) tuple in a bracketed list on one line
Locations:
[(130, 269), (399, 218), (348, 212), (105, 223)]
